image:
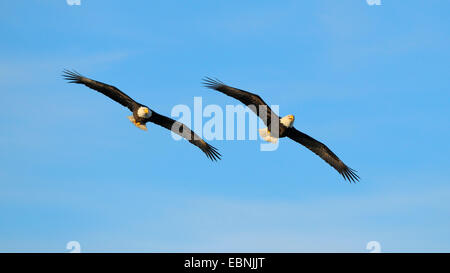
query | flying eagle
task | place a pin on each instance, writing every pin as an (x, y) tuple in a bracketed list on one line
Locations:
[(142, 114), (285, 126)]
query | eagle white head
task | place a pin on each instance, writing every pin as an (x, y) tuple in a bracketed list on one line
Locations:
[(144, 112), (288, 120)]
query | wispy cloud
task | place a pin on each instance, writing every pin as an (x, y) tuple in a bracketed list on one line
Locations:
[(32, 69)]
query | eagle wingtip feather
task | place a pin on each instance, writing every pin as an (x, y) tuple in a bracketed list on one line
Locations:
[(350, 175), (212, 153), (212, 83), (71, 76)]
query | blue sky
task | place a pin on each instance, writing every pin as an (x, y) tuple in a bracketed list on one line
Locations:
[(372, 82)]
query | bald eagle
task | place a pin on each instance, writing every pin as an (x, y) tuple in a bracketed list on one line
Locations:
[(143, 114), (285, 125)]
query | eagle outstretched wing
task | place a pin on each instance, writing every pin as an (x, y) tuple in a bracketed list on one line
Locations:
[(184, 131), (253, 101), (326, 154), (107, 90)]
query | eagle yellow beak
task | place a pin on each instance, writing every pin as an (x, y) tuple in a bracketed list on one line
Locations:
[(146, 110)]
